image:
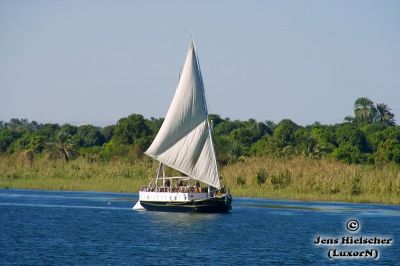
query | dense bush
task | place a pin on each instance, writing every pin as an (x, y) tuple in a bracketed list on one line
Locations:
[(369, 137), (261, 176), (281, 180), (240, 180)]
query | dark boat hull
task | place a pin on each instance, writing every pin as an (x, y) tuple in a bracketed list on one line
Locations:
[(211, 205)]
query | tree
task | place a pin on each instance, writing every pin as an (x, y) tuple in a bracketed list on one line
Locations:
[(18, 125), (69, 129), (349, 119), (226, 149), (226, 127), (89, 136), (62, 147), (388, 151), (37, 143), (325, 135), (154, 124), (22, 143), (260, 147), (249, 132), (131, 128), (48, 130), (348, 154), (215, 119), (384, 114), (307, 146), (108, 132), (364, 110), (375, 134), (348, 134), (271, 125), (284, 133), (7, 136)]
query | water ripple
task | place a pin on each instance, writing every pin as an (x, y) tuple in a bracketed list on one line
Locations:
[(92, 228)]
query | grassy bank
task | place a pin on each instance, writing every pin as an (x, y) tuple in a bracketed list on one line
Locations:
[(80, 174), (296, 178), (306, 179)]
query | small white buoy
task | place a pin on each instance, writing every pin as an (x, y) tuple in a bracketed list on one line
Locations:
[(137, 206)]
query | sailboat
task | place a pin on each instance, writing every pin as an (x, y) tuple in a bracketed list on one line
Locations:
[(184, 143)]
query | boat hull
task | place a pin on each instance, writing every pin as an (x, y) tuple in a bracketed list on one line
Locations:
[(221, 204)]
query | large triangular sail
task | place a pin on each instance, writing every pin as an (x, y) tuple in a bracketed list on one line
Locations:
[(184, 140)]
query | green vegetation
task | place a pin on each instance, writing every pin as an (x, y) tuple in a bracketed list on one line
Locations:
[(357, 160), (120, 175), (63, 147), (302, 178)]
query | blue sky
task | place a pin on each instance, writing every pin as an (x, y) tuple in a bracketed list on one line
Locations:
[(97, 61)]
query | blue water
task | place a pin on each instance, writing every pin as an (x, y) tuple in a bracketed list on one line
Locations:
[(87, 228)]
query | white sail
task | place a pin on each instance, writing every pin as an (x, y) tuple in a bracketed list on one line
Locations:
[(184, 140)]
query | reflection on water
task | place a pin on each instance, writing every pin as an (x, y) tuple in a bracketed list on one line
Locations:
[(181, 219)]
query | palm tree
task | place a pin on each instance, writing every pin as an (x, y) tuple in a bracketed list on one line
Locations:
[(349, 119), (384, 114), (364, 110), (62, 147)]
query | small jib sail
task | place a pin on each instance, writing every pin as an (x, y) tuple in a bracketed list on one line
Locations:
[(184, 141)]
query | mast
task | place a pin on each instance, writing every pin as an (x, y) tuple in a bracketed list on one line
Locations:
[(210, 130), (158, 173), (184, 140), (210, 126)]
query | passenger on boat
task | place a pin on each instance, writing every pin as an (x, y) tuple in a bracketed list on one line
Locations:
[(198, 188)]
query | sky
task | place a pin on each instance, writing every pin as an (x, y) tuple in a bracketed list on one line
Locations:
[(94, 62)]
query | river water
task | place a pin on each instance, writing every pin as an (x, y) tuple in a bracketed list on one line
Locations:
[(89, 228)]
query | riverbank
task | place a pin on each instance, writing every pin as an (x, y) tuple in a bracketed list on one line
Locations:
[(296, 178)]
